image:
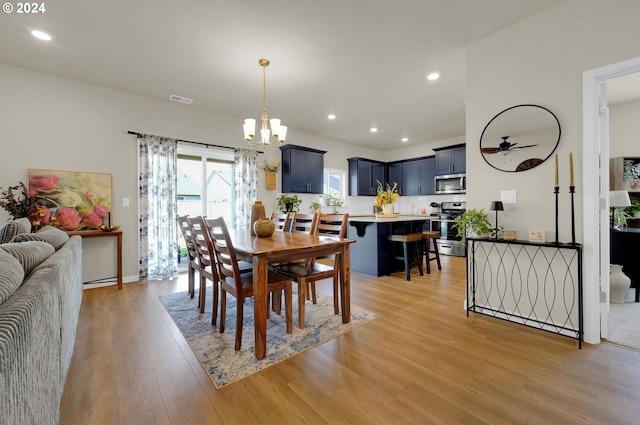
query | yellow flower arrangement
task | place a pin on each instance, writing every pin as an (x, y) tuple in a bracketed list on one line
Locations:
[(388, 195)]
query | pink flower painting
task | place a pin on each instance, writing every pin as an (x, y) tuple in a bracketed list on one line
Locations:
[(71, 200)]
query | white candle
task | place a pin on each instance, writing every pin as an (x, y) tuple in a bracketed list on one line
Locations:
[(571, 183)]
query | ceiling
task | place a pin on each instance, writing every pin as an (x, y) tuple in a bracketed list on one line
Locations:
[(363, 60)]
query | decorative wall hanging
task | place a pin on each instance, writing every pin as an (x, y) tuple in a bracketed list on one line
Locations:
[(520, 138), (73, 200)]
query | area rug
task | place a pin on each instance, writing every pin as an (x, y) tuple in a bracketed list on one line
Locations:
[(624, 324), (216, 351)]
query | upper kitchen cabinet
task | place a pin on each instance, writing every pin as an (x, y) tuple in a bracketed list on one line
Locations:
[(302, 169), (394, 175), (364, 175), (418, 176), (451, 160)]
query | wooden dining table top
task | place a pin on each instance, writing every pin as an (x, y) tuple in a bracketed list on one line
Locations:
[(282, 244)]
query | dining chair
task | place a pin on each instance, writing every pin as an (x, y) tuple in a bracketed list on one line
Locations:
[(304, 223), (207, 263), (282, 221), (307, 273), (240, 285), (192, 256)]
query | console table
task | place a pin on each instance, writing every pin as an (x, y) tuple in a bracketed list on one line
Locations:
[(102, 234), (532, 284)]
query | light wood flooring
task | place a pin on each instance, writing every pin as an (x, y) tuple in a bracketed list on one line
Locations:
[(423, 361)]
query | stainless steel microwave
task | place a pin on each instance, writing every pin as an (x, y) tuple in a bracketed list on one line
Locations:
[(451, 183)]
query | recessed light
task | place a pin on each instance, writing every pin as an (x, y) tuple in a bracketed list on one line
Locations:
[(41, 35), (433, 76), (331, 116), (373, 129), (405, 139)]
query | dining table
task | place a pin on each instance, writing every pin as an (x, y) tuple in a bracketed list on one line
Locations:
[(285, 247)]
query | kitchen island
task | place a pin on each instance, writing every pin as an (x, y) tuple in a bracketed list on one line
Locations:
[(373, 253)]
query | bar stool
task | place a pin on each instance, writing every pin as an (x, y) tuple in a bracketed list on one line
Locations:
[(415, 239), (429, 235)]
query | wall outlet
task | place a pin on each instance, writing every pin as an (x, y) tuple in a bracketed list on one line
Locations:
[(125, 202)]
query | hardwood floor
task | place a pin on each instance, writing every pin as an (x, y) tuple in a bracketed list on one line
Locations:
[(423, 361)]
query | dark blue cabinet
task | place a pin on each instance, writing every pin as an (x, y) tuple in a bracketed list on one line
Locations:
[(364, 175), (451, 160), (418, 176), (302, 169)]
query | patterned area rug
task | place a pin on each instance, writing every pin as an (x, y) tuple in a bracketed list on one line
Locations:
[(224, 364)]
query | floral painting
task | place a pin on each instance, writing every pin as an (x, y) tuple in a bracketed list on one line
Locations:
[(71, 200)]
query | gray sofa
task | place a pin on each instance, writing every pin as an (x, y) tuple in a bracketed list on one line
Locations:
[(40, 297)]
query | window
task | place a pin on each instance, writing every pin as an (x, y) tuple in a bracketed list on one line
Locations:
[(334, 183)]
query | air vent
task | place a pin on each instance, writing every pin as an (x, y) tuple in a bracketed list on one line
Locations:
[(180, 99)]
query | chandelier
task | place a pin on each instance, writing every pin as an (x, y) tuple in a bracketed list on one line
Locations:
[(279, 131)]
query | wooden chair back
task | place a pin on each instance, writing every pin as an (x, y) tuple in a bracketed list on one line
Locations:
[(225, 254), (282, 221), (204, 248), (206, 261), (304, 223), (192, 254), (333, 224)]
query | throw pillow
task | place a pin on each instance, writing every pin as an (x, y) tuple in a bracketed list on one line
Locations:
[(29, 254), (11, 276), (49, 234), (13, 228)]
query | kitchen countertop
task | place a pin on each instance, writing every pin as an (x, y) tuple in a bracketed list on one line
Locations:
[(370, 218)]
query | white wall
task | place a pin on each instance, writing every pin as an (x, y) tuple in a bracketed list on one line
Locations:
[(541, 61), (624, 129)]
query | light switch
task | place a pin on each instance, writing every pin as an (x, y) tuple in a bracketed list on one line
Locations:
[(508, 196), (125, 202)]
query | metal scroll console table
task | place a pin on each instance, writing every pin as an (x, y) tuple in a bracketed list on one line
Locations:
[(532, 284)]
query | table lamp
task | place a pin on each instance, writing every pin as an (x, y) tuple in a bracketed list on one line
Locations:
[(497, 206)]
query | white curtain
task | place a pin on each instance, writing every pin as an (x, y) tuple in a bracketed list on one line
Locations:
[(157, 165), (246, 185)]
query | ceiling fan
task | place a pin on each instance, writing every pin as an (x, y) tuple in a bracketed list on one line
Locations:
[(504, 148)]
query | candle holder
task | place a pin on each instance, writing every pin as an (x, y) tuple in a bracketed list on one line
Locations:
[(572, 190), (556, 191)]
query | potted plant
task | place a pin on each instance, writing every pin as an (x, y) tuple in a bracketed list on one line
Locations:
[(288, 203), (471, 222), (315, 206), (634, 209)]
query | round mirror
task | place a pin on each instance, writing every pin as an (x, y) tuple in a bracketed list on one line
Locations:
[(520, 138)]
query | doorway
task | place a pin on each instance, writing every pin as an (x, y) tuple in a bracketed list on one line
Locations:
[(596, 202)]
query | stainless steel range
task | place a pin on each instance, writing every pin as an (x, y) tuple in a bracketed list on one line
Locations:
[(449, 243)]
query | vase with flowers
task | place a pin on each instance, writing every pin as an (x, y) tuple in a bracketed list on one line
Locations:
[(387, 195)]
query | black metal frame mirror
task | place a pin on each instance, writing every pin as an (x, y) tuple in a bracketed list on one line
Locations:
[(520, 138)]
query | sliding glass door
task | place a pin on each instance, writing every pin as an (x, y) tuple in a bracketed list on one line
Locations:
[(205, 187)]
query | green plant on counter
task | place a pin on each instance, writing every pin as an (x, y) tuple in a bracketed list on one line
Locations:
[(315, 206), (333, 200), (289, 203), (470, 222)]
